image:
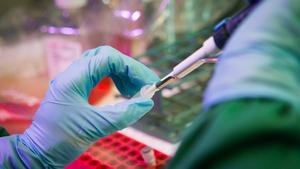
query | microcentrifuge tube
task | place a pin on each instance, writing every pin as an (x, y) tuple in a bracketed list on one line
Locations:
[(148, 156), (147, 91)]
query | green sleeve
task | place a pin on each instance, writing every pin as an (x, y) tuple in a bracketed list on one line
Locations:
[(3, 132), (262, 58), (242, 134)]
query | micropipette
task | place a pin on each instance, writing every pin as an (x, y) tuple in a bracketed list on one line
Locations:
[(209, 48), (192, 62), (198, 58)]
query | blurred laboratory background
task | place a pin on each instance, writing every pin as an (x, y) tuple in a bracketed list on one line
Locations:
[(40, 38)]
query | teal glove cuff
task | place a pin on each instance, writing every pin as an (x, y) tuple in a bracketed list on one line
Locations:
[(15, 154)]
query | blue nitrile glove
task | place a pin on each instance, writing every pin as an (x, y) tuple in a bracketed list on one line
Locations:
[(65, 125), (262, 59)]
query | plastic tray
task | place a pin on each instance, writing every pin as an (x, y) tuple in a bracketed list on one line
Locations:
[(116, 152)]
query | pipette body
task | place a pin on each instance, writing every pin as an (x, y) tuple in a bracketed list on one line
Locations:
[(192, 62)]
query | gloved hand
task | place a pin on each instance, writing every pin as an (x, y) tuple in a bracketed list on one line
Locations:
[(65, 125), (262, 59)]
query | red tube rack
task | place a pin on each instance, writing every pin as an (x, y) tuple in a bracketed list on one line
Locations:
[(116, 152)]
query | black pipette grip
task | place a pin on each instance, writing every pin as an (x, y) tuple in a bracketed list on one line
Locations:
[(225, 28)]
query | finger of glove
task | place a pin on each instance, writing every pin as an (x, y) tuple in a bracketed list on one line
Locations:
[(112, 118), (76, 82), (128, 74)]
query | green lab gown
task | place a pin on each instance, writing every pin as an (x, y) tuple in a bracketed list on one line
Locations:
[(253, 120), (242, 134)]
